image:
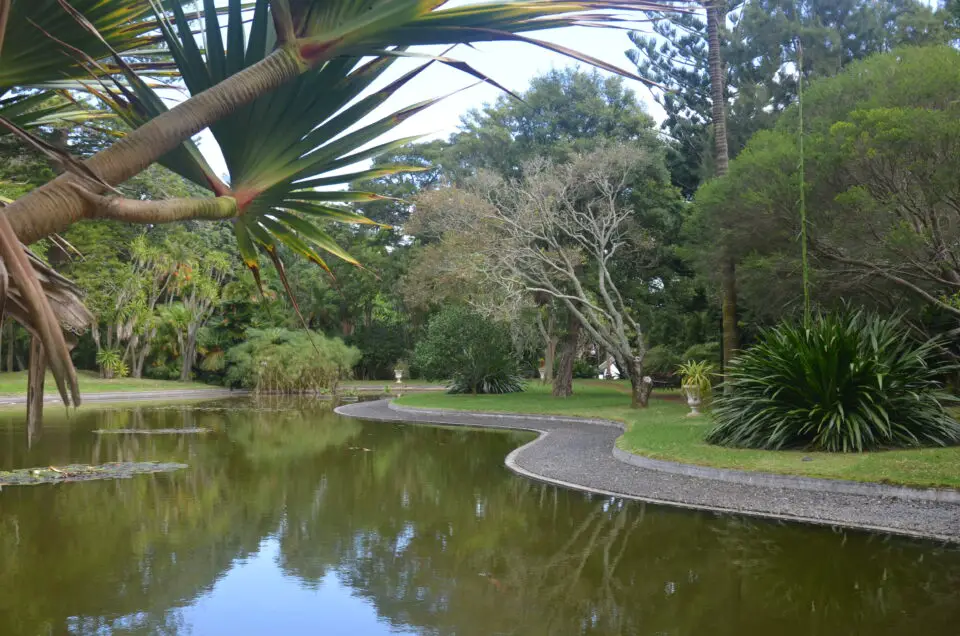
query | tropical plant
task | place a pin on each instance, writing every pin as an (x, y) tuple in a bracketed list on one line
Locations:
[(112, 364), (697, 375), (851, 381), (319, 42), (474, 354), (402, 368), (283, 361)]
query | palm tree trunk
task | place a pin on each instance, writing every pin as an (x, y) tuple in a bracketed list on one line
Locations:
[(728, 272), (36, 374), (58, 204), (715, 15), (189, 353)]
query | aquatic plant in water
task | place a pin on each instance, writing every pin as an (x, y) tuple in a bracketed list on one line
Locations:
[(83, 472)]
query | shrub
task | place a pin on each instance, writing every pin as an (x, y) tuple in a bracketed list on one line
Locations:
[(381, 345), (112, 364), (287, 361), (661, 362), (704, 352), (585, 369), (849, 382), (474, 353)]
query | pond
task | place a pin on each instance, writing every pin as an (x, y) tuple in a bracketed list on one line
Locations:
[(292, 520)]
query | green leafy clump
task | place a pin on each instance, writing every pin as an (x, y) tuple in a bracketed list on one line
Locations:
[(697, 374), (704, 352), (661, 361), (283, 361), (847, 382), (112, 363), (474, 353)]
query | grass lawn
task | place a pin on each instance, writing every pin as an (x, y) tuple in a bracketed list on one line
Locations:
[(379, 384), (16, 384), (663, 431)]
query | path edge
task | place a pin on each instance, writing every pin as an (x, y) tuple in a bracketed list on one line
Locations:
[(730, 475)]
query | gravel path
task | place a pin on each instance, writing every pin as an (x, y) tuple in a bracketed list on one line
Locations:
[(578, 454)]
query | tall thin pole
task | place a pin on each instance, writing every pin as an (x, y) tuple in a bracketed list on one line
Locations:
[(803, 196)]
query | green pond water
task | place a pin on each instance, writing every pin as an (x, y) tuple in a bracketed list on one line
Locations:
[(292, 520)]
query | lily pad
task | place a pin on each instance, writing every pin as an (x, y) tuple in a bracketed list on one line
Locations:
[(83, 472), (150, 431)]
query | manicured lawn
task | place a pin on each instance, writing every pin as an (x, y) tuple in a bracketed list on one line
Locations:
[(379, 384), (663, 431), (16, 384)]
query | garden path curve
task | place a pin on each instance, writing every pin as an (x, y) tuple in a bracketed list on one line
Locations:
[(578, 453)]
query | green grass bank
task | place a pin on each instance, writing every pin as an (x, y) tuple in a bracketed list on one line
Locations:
[(663, 431), (15, 384)]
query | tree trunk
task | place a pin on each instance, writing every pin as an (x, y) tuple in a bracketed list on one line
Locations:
[(640, 385), (58, 204), (139, 358), (35, 378), (563, 380), (728, 308), (189, 353), (549, 359), (716, 16), (11, 340)]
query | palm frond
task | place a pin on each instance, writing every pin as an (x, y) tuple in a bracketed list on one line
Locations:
[(30, 57)]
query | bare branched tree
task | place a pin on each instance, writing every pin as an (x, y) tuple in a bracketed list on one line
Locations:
[(560, 232)]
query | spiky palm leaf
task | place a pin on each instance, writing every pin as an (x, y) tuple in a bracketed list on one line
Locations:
[(269, 195), (38, 32), (55, 45), (34, 37), (283, 146), (279, 148)]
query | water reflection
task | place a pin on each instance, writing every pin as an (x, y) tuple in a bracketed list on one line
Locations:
[(291, 519)]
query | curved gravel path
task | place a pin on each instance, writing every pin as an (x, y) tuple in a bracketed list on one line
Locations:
[(577, 453)]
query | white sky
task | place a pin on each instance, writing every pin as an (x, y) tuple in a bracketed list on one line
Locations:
[(510, 63)]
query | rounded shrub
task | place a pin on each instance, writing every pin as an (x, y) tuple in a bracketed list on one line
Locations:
[(284, 361), (661, 362), (848, 382), (475, 354)]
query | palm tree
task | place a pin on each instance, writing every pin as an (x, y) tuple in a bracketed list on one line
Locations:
[(277, 103), (716, 16)]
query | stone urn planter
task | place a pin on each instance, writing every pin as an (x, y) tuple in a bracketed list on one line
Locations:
[(398, 374), (694, 399)]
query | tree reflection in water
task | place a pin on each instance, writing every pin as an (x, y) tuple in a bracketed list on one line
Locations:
[(426, 525)]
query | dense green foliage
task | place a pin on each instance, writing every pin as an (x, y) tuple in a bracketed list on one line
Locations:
[(473, 352), (280, 360), (882, 149), (881, 157), (759, 48), (847, 382)]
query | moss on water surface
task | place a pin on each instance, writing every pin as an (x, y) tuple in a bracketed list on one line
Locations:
[(82, 472)]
